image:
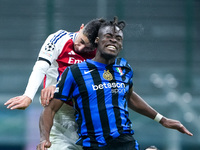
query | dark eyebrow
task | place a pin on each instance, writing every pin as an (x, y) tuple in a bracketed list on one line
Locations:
[(109, 34), (119, 36), (115, 35)]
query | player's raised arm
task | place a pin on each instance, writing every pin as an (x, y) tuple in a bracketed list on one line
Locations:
[(174, 124), (35, 79), (137, 104)]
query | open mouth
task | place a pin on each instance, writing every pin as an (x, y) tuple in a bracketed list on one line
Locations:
[(111, 47)]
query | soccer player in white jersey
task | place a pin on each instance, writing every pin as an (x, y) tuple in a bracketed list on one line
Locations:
[(59, 51)]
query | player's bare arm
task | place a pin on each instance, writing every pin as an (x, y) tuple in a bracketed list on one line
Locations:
[(137, 104), (175, 124), (18, 102), (46, 122), (47, 94)]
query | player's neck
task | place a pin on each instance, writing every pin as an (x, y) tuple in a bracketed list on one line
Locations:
[(103, 60)]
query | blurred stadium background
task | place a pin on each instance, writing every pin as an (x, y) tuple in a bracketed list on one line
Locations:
[(162, 43)]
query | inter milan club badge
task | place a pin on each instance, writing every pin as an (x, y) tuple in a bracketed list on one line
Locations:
[(107, 75)]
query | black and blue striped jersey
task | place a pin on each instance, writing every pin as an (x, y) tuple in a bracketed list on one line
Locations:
[(99, 92)]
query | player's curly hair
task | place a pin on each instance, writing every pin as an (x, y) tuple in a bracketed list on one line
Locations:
[(91, 30), (115, 23)]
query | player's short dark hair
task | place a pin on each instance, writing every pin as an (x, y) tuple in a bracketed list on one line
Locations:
[(91, 30), (114, 23)]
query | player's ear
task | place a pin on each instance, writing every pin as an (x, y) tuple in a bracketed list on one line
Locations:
[(96, 40), (82, 26)]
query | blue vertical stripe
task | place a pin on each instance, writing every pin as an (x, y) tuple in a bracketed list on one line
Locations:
[(94, 107), (58, 36)]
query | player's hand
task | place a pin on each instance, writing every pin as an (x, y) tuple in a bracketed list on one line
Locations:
[(175, 124), (44, 145), (47, 94), (18, 102)]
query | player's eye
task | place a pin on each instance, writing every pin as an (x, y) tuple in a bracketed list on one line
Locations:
[(108, 36), (82, 41), (119, 38)]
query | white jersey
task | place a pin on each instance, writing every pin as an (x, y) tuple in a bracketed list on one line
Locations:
[(56, 54)]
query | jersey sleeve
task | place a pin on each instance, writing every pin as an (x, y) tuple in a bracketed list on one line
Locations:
[(131, 77), (65, 86), (129, 71), (52, 46), (39, 70), (49, 52)]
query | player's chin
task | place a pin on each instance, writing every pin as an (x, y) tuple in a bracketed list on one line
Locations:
[(83, 51), (110, 55), (79, 50)]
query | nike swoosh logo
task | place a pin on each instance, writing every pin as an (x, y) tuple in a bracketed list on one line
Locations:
[(86, 72)]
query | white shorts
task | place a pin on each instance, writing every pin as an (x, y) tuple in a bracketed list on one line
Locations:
[(63, 135)]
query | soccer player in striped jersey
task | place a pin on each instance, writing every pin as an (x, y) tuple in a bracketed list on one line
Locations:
[(60, 50), (102, 90)]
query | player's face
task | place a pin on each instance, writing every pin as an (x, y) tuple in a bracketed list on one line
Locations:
[(82, 44), (110, 41)]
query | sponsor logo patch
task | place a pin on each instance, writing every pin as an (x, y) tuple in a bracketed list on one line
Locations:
[(115, 87), (86, 72), (71, 53)]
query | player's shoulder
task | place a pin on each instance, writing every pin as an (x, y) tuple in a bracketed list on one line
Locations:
[(122, 62), (78, 66), (76, 69), (61, 35), (64, 32)]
